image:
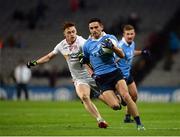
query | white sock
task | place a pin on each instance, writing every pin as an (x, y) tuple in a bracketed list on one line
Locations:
[(99, 119)]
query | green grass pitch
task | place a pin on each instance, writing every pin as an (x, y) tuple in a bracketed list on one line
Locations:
[(48, 118)]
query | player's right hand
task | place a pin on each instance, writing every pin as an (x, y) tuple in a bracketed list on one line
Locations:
[(107, 43), (31, 63)]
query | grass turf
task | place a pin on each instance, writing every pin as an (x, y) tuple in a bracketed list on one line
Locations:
[(46, 118)]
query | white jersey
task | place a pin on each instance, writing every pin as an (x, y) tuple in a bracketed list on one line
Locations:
[(71, 52)]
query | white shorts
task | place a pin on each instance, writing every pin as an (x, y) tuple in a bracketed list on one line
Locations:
[(88, 81)]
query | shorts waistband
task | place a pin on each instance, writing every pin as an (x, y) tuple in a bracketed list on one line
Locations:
[(110, 73)]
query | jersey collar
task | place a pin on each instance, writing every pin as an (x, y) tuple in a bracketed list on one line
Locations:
[(72, 43), (103, 34), (123, 39)]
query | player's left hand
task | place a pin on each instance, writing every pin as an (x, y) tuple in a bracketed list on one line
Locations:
[(146, 52), (80, 56), (31, 63), (107, 43), (82, 59)]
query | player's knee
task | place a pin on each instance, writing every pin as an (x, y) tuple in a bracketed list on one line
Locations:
[(84, 98), (126, 97), (116, 107)]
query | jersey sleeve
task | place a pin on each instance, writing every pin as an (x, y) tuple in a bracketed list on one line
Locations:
[(57, 49), (120, 43), (114, 40), (81, 41)]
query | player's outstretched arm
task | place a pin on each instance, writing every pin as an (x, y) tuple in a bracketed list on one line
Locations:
[(137, 52), (144, 52), (41, 60)]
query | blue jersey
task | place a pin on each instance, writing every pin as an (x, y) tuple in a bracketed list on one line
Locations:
[(101, 62), (125, 63)]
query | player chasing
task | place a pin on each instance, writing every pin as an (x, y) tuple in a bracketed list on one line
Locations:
[(107, 75), (70, 48), (127, 44)]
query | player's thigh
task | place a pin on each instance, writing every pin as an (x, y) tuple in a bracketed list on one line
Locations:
[(83, 90), (121, 87), (133, 90), (110, 98)]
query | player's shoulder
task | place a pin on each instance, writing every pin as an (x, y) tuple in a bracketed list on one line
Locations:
[(121, 43), (80, 38), (88, 41), (111, 36), (133, 43), (80, 41), (62, 42), (87, 44), (61, 45)]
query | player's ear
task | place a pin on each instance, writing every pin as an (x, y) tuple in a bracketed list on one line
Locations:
[(102, 27), (75, 30)]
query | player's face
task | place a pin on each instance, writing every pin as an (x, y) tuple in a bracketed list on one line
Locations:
[(70, 34), (129, 35), (95, 29)]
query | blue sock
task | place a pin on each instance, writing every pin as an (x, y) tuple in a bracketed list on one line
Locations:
[(128, 116), (137, 119)]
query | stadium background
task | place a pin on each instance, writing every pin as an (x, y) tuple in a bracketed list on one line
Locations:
[(31, 28)]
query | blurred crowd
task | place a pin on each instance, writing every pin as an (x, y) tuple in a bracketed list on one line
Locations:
[(164, 43)]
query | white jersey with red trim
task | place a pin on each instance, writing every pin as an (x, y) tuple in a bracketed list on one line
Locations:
[(71, 52)]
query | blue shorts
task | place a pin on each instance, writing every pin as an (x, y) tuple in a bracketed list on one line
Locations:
[(129, 79), (108, 81)]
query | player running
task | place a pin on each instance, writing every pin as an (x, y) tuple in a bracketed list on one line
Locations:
[(127, 44), (107, 75), (70, 48)]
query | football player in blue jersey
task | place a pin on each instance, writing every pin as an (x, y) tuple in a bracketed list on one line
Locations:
[(107, 75), (127, 44)]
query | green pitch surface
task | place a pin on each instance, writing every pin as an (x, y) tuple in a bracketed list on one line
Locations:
[(70, 118)]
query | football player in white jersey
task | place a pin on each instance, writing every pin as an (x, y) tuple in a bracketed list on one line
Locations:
[(70, 48)]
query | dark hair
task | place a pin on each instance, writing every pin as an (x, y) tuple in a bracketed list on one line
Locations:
[(67, 25), (95, 20), (127, 27)]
